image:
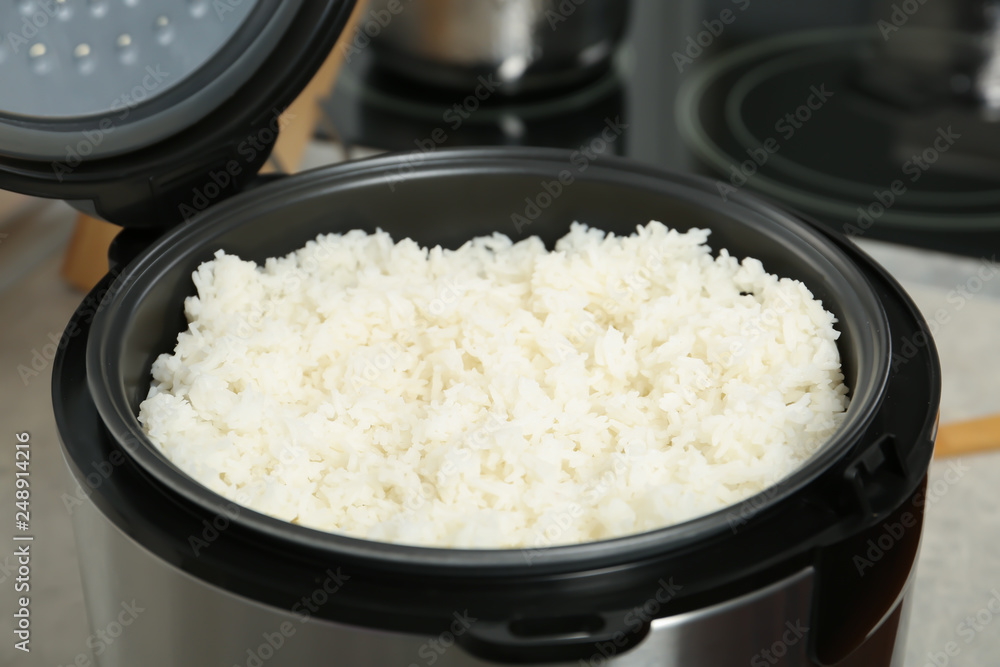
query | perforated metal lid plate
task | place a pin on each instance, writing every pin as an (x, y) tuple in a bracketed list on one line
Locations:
[(148, 67), (80, 57)]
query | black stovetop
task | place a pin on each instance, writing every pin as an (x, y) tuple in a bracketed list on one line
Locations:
[(811, 104)]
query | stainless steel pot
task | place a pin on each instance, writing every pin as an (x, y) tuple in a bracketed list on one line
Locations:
[(522, 44)]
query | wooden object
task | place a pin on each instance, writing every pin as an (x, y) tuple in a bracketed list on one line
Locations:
[(11, 203), (969, 437), (86, 259)]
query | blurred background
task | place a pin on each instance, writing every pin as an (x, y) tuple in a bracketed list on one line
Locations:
[(878, 119)]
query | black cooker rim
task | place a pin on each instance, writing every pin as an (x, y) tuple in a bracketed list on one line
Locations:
[(240, 562), (133, 280)]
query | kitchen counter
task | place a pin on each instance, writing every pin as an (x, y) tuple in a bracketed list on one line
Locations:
[(958, 572)]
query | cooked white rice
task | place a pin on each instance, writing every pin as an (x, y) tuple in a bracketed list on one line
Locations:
[(498, 395)]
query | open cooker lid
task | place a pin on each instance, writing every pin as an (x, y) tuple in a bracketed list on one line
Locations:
[(144, 113)]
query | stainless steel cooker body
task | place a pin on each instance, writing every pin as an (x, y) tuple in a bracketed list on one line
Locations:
[(176, 619), (774, 580)]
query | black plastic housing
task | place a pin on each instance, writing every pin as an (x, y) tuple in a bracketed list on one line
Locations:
[(815, 517)]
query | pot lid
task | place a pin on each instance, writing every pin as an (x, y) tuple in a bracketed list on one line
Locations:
[(135, 109)]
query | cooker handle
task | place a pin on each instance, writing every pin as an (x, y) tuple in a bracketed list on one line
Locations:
[(558, 639)]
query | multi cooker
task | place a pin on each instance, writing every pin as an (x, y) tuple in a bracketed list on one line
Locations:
[(815, 570)]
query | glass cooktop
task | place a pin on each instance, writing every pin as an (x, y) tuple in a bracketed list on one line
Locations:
[(872, 129)]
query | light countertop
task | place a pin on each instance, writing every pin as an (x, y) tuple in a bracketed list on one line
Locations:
[(957, 574), (958, 571)]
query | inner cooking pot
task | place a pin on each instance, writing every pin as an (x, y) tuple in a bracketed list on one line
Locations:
[(448, 198)]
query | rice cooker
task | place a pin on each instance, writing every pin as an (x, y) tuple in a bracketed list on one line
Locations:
[(815, 570)]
